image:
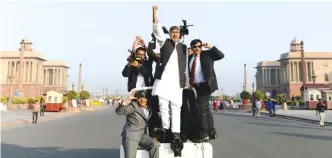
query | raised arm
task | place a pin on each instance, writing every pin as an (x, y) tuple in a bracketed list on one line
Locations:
[(157, 28), (214, 52), (152, 55), (125, 107)]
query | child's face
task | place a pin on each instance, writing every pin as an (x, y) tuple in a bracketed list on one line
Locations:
[(142, 101)]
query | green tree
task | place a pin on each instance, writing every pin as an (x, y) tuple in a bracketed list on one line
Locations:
[(245, 95), (259, 94), (85, 94), (281, 98), (298, 97), (72, 95), (65, 99)]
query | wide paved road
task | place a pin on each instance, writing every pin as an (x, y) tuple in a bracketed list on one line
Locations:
[(97, 135)]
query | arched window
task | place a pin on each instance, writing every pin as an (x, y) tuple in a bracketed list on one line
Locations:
[(326, 76)]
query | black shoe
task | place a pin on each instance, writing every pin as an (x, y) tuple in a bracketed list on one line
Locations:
[(184, 137), (213, 137), (176, 136), (160, 134), (177, 145)]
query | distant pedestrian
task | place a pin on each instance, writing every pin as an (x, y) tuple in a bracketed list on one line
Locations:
[(293, 100), (215, 105), (258, 108), (42, 108), (35, 110), (253, 107), (231, 103), (274, 102), (321, 110), (222, 104), (270, 107)]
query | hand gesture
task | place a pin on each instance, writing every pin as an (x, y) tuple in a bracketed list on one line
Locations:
[(190, 51), (130, 97), (142, 43), (134, 64), (132, 94), (206, 45), (154, 8)]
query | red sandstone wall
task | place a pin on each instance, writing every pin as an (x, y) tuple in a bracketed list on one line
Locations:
[(30, 90)]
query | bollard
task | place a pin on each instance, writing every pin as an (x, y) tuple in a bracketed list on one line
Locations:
[(284, 106)]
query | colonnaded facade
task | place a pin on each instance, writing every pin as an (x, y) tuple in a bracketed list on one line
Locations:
[(38, 75), (285, 74)]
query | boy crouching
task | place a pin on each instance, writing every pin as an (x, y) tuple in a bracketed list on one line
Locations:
[(133, 133)]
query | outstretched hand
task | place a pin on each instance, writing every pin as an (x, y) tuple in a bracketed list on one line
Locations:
[(154, 8)]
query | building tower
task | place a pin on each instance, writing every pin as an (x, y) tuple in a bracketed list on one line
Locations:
[(245, 78), (80, 79), (25, 47)]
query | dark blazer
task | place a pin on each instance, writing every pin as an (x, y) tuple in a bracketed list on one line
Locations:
[(153, 56), (207, 58), (136, 121), (131, 72)]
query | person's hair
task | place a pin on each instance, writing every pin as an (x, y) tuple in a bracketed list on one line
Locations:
[(174, 28), (140, 94), (195, 41), (140, 48)]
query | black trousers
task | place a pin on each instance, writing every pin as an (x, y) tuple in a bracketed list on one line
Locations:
[(188, 114), (42, 110), (34, 117), (253, 109), (204, 115), (155, 120)]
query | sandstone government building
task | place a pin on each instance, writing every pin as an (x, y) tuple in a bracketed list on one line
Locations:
[(39, 74), (284, 75)]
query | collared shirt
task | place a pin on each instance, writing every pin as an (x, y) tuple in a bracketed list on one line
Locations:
[(146, 111), (140, 80), (199, 77)]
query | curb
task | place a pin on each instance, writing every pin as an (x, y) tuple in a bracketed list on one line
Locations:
[(16, 123), (298, 119)]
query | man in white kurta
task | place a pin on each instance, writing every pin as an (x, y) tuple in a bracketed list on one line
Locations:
[(168, 87)]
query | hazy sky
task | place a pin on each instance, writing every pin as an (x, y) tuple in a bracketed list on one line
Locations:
[(98, 34)]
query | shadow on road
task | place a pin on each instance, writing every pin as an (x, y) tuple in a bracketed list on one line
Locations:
[(303, 135), (14, 151), (278, 125)]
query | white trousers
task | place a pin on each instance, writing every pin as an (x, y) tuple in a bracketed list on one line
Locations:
[(164, 113), (322, 118)]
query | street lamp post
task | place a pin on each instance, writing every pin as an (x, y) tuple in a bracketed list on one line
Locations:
[(304, 75), (253, 86), (10, 86)]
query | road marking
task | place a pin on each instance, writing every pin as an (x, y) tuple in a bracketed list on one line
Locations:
[(43, 151)]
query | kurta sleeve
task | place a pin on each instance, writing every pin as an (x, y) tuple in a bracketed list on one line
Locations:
[(159, 34)]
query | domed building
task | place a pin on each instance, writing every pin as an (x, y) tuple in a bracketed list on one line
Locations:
[(37, 76), (285, 74)]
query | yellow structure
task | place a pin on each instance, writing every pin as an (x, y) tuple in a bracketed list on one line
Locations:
[(54, 97)]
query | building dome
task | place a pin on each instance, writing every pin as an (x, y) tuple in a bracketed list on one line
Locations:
[(296, 41), (26, 41)]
